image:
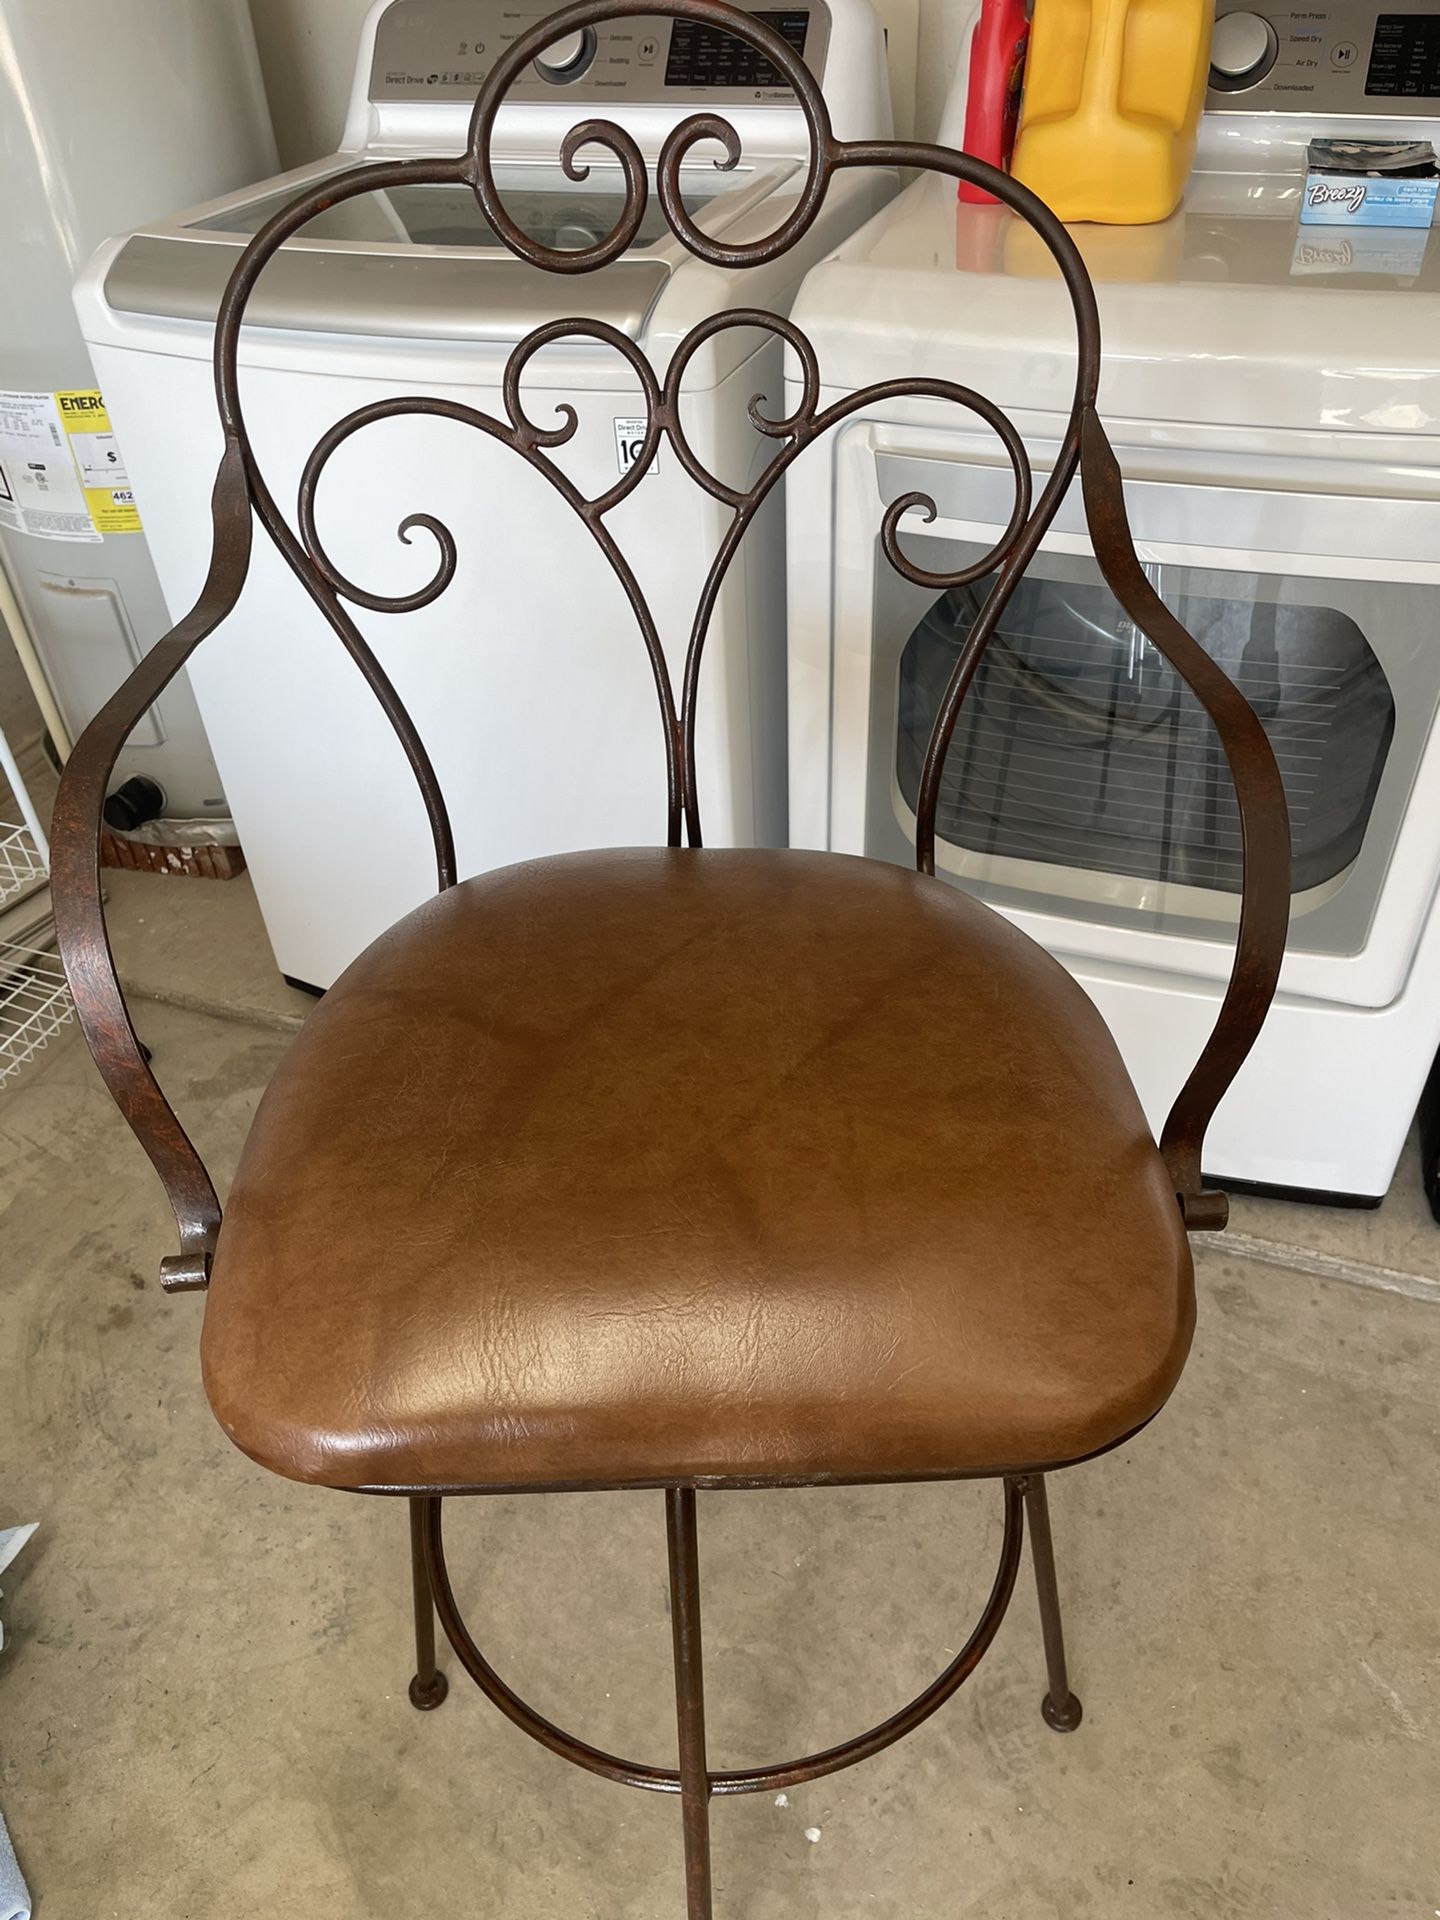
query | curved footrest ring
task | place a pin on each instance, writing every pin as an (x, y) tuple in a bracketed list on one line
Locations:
[(633, 1773)]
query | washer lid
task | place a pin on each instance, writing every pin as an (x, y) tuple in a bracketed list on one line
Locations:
[(393, 296), (1227, 314), (421, 261)]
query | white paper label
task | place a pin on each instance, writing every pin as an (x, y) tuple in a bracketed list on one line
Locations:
[(61, 472), (40, 488), (629, 439)]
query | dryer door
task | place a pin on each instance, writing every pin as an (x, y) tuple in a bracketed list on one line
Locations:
[(1085, 791), (1081, 750)]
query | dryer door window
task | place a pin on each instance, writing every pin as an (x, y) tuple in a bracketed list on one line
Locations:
[(1084, 777)]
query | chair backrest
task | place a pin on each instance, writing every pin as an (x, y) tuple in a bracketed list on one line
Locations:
[(241, 496)]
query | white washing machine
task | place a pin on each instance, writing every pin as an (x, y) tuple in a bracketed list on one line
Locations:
[(527, 678), (1273, 394)]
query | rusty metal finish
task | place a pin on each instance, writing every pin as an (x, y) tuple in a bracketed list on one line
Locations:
[(242, 495), (80, 917), (1060, 1708), (1264, 832), (428, 1686), (695, 1789), (771, 1779)]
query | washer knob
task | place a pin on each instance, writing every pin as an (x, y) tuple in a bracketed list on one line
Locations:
[(1243, 48), (567, 58)]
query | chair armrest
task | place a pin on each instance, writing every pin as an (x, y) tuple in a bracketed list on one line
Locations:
[(1264, 831), (79, 912)]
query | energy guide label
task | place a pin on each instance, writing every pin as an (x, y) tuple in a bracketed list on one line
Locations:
[(62, 476)]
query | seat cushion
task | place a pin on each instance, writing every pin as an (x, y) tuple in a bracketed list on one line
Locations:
[(666, 1165)]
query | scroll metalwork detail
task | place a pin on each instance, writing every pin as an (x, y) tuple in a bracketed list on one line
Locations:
[(242, 496)]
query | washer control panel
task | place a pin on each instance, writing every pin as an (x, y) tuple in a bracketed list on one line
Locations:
[(442, 50), (1347, 57)]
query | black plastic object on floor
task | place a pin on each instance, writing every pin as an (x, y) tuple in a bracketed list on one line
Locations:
[(1430, 1138), (133, 803)]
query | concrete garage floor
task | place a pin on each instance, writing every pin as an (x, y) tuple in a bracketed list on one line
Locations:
[(202, 1696)]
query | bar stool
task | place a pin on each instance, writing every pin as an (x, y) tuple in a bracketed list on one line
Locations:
[(684, 1168)]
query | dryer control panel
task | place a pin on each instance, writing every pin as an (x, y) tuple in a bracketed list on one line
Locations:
[(1347, 57), (442, 50)]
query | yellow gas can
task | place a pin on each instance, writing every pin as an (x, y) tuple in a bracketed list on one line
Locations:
[(1113, 92)]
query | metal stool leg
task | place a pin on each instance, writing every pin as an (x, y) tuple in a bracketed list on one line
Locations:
[(1060, 1708), (429, 1687), (689, 1697)]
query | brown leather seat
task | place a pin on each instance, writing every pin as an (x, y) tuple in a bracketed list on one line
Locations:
[(678, 1165)]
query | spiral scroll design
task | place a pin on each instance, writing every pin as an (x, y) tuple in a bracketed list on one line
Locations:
[(590, 133), (1005, 546), (786, 429), (675, 154), (517, 431)]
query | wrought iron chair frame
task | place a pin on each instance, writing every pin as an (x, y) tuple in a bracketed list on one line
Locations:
[(241, 495)]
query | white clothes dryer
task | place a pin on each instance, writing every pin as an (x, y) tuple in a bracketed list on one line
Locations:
[(1273, 394), (527, 678)]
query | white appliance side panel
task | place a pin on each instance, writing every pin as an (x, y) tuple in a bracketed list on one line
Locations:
[(670, 531), (1324, 1101), (814, 589)]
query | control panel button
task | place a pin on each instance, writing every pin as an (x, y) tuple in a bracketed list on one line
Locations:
[(1242, 51), (567, 58), (1344, 54)]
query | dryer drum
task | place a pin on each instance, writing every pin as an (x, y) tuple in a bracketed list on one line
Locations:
[(1080, 746)]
